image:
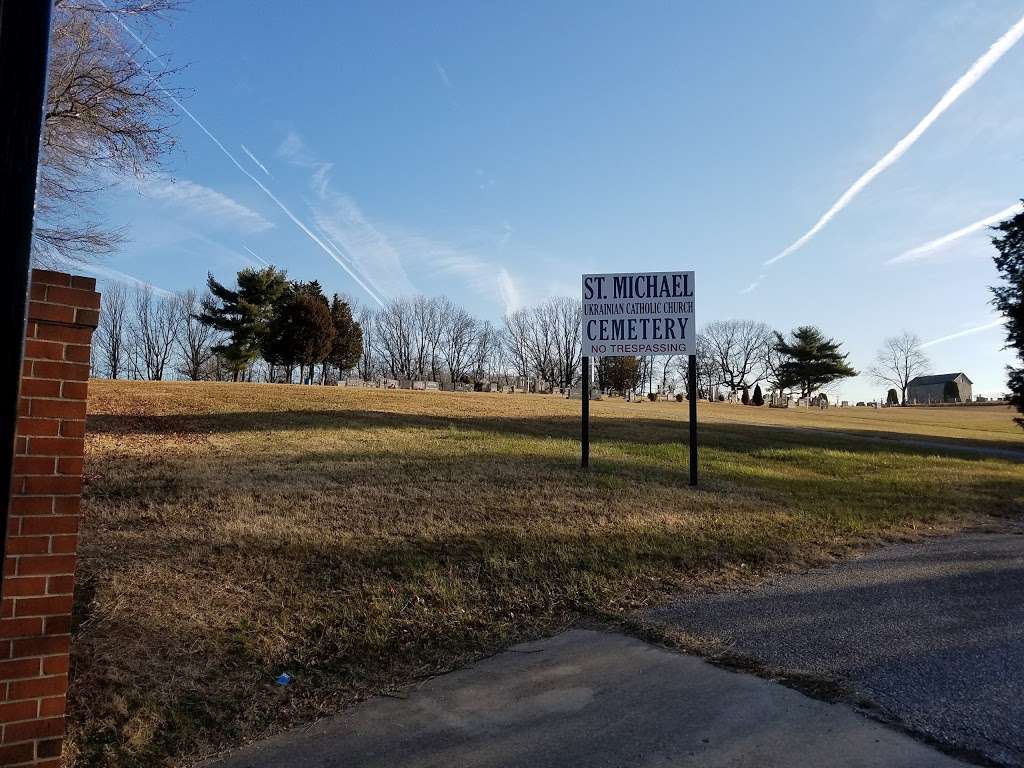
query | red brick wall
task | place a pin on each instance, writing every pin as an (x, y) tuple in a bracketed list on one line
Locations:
[(42, 529)]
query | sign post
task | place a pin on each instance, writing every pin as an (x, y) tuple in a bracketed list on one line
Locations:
[(585, 421), (642, 314), (691, 376)]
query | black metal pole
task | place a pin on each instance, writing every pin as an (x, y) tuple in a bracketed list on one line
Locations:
[(691, 371), (24, 42), (585, 420)]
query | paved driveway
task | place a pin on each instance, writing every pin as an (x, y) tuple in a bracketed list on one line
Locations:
[(587, 699), (931, 633)]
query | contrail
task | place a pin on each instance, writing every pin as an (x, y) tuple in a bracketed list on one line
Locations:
[(341, 252), (443, 74), (960, 87), (253, 253), (750, 288), (968, 332), (107, 273), (295, 219), (255, 159), (922, 251)]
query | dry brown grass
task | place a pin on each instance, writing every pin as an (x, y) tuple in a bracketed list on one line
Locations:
[(360, 539)]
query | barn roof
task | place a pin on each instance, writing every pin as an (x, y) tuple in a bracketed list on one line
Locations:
[(938, 378)]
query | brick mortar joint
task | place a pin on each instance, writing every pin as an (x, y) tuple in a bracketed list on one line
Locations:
[(32, 318)]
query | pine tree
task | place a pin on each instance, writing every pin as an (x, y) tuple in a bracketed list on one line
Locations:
[(745, 398), (758, 398), (347, 347), (278, 345), (243, 313), (619, 374), (301, 330), (810, 360), (893, 397), (1009, 298)]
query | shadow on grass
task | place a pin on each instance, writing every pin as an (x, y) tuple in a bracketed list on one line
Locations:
[(645, 430)]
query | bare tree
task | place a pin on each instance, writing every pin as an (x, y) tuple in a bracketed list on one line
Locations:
[(516, 341), (112, 330), (407, 337), (568, 318), (426, 336), (487, 352), (154, 330), (365, 317), (737, 348), (900, 359), (773, 360), (543, 340), (672, 367), (707, 369), (393, 338), (459, 337), (218, 368), (107, 115), (195, 340)]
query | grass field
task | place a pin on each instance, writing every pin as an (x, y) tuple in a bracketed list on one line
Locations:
[(362, 539)]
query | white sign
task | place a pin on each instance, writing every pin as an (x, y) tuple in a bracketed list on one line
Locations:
[(638, 313)]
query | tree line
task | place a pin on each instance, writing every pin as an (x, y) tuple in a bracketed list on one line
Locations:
[(737, 356), (266, 327)]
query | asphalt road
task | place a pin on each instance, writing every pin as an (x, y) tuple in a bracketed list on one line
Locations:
[(595, 700), (931, 633)]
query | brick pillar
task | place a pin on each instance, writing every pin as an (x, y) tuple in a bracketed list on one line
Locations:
[(42, 532)]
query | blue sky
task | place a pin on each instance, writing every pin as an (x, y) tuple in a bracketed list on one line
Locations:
[(495, 152)]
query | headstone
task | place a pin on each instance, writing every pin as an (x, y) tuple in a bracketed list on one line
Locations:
[(576, 393), (432, 385)]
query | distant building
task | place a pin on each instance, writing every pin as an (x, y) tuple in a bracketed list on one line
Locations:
[(936, 389)]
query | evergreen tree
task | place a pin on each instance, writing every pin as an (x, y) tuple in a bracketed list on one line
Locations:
[(758, 398), (619, 374), (243, 313), (1009, 298), (301, 330), (278, 346), (347, 347), (745, 398), (312, 289), (810, 360), (893, 397)]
